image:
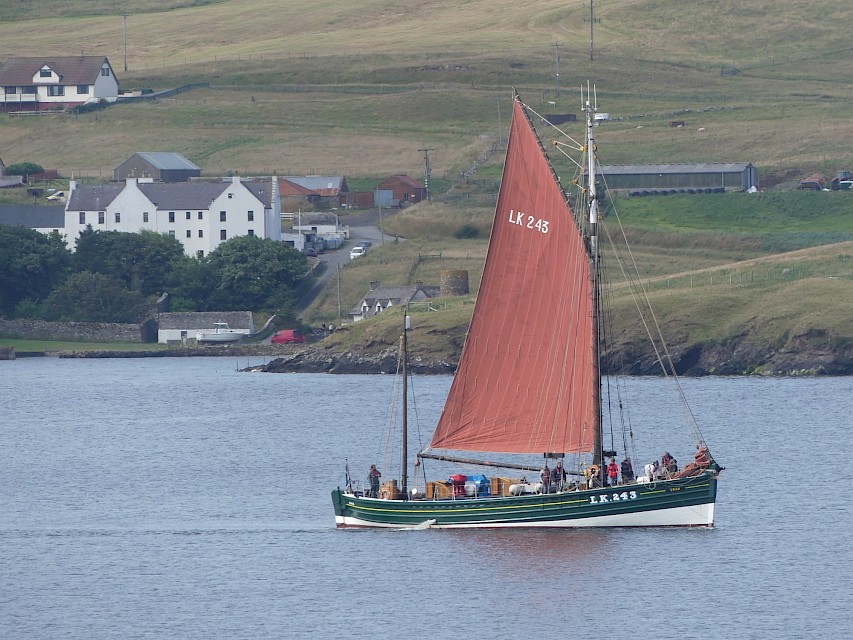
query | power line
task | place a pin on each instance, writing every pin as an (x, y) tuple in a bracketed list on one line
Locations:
[(592, 20)]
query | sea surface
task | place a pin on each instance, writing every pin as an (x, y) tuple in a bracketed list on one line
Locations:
[(179, 498)]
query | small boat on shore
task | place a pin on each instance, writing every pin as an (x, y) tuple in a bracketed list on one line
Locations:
[(221, 332)]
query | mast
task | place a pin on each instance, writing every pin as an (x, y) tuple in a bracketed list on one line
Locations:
[(404, 488), (592, 199)]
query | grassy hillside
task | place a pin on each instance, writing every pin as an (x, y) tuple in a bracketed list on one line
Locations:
[(359, 87)]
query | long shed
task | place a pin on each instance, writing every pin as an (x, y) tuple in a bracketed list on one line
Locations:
[(731, 176)]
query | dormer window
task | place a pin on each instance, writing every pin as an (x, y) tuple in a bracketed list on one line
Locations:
[(45, 73)]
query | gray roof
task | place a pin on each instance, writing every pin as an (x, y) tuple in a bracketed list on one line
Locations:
[(318, 183), (316, 218), (164, 195), (93, 197), (181, 195), (193, 321), (645, 169), (394, 295), (71, 69), (33, 216), (166, 161), (261, 189)]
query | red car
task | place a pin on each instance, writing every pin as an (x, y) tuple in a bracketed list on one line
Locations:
[(286, 336)]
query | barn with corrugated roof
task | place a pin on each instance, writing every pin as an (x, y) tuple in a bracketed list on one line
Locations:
[(157, 165)]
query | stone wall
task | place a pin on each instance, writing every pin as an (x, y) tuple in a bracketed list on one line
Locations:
[(76, 331)]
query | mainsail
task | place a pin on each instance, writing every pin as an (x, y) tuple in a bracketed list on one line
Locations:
[(526, 381)]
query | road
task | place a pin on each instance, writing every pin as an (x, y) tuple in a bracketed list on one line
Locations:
[(363, 226)]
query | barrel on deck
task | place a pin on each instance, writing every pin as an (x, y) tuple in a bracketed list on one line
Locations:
[(389, 491)]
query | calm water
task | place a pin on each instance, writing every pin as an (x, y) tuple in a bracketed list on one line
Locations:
[(177, 498)]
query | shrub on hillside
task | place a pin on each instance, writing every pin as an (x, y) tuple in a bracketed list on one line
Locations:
[(23, 169), (466, 231)]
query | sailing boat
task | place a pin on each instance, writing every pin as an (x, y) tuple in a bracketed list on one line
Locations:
[(529, 379)]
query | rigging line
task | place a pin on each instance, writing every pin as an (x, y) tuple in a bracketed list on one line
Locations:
[(559, 148), (553, 126), (695, 424), (417, 428)]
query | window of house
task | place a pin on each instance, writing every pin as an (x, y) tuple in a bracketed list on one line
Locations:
[(144, 216), (251, 216), (171, 216), (105, 71), (28, 90), (10, 91), (82, 217), (118, 216), (100, 217), (189, 215), (45, 73), (82, 89), (230, 195), (172, 232), (56, 90), (222, 235), (200, 233), (189, 234), (221, 216), (200, 215), (199, 254), (251, 232)]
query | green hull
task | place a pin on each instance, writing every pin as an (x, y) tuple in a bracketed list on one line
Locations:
[(681, 502)]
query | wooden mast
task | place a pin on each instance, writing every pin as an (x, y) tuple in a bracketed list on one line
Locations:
[(404, 485), (592, 197)]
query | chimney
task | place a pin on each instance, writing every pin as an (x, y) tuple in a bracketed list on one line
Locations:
[(374, 285)]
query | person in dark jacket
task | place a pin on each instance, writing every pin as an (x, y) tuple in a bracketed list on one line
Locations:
[(627, 470), (373, 478)]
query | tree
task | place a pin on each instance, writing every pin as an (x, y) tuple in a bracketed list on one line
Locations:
[(31, 265), (23, 169), (143, 261), (93, 297), (250, 273)]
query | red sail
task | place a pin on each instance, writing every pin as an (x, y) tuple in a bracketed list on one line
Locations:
[(526, 380)]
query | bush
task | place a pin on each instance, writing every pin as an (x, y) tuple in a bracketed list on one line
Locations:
[(23, 169), (466, 231)]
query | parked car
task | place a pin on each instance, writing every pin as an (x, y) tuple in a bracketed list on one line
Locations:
[(310, 252), (286, 336), (365, 243), (357, 252)]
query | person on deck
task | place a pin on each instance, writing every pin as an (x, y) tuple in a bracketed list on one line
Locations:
[(558, 476), (613, 473), (373, 478), (672, 467), (627, 470), (545, 478)]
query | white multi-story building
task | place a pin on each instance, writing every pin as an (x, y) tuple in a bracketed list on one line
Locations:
[(202, 215)]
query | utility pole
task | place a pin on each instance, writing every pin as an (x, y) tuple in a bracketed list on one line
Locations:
[(557, 46), (427, 172), (125, 40), (592, 21)]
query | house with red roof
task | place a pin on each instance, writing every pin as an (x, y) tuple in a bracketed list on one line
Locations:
[(404, 190)]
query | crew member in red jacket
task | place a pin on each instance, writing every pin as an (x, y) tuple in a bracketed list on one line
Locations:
[(613, 472)]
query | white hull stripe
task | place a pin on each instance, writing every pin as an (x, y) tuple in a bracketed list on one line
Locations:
[(701, 515)]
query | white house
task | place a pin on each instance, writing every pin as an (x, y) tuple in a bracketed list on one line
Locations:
[(380, 298), (202, 215), (321, 226), (57, 82)]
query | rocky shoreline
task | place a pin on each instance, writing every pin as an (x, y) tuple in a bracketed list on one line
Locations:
[(810, 355)]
